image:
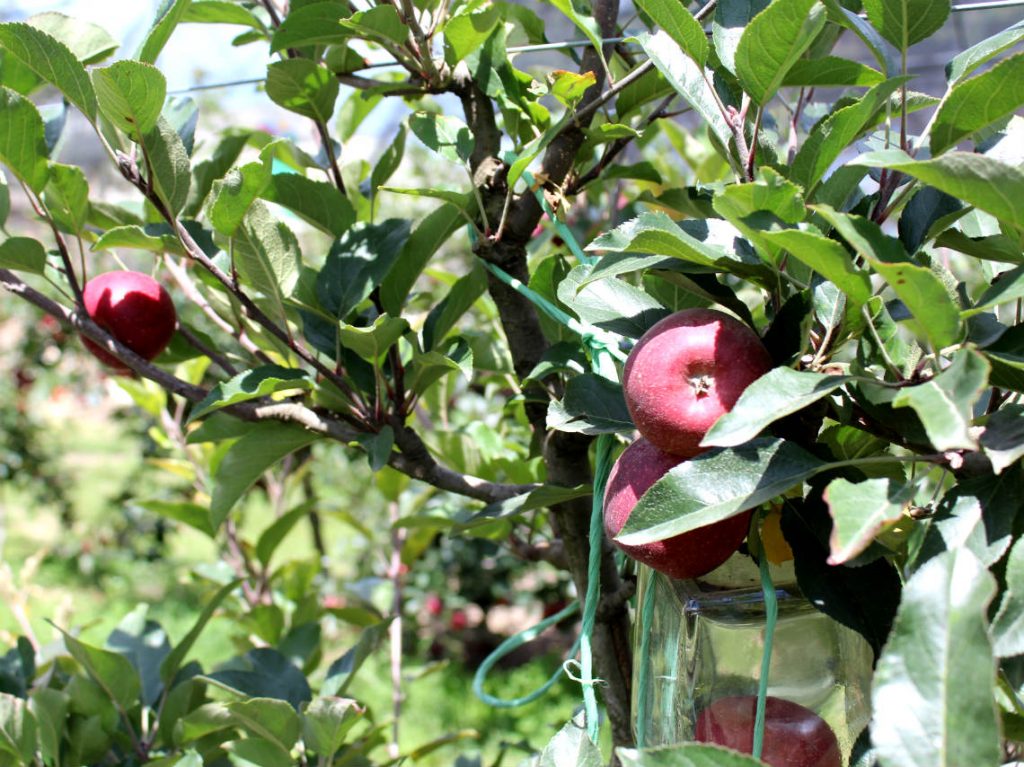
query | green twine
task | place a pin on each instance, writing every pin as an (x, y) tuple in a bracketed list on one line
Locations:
[(604, 349), (771, 610), (512, 643), (646, 613)]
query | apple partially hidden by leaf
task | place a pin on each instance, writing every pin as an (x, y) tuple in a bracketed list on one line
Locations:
[(794, 736), (135, 309), (689, 555), (685, 372)]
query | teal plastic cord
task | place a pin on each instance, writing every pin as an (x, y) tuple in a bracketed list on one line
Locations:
[(771, 609), (512, 643), (646, 613), (604, 349)]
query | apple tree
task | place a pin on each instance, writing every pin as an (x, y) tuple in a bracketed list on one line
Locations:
[(772, 160)]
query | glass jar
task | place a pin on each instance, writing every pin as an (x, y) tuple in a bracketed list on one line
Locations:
[(705, 642)]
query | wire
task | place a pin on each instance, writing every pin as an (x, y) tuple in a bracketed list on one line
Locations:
[(987, 5)]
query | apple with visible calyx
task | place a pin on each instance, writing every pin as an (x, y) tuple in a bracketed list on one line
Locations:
[(135, 309), (686, 371), (794, 736), (689, 555)]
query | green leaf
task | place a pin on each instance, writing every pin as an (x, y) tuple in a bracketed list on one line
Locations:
[(267, 254), (358, 262), (711, 242), (966, 62), (247, 459), (341, 672), (52, 61), (584, 21), (325, 723), (828, 258), (680, 25), (569, 87), (22, 140), (571, 747), (90, 43), (131, 95), (378, 447), (688, 755), (137, 238), (448, 136), (371, 343), (689, 80), (611, 304), (919, 288), (167, 18), (429, 235), (591, 404), (716, 485), (231, 197), (1008, 286), (978, 102), (272, 537), (252, 384), (220, 12), (945, 404), (318, 23), (542, 497), (860, 510), (932, 688), (778, 393), (381, 23), (172, 663), (1003, 438), (444, 316), (467, 30), (730, 21), (1008, 623), (110, 670), (144, 643), (5, 200), (772, 43), (23, 254), (979, 515), (426, 369), (905, 22), (303, 86), (771, 192), (170, 167), (67, 196), (316, 202), (389, 162), (831, 71), (50, 708), (18, 731), (832, 136), (191, 514), (985, 183)]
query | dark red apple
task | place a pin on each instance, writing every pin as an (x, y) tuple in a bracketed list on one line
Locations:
[(794, 736), (686, 371), (689, 555), (135, 309)]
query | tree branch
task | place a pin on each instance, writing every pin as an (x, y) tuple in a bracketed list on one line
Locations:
[(414, 458)]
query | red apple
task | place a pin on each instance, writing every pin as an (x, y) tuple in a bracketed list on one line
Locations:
[(689, 555), (794, 736), (686, 371), (135, 309)]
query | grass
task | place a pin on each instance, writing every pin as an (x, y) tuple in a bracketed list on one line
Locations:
[(89, 577)]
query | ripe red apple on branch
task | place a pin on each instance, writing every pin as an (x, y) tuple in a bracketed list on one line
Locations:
[(684, 373), (794, 736), (688, 370), (689, 555), (135, 309)]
